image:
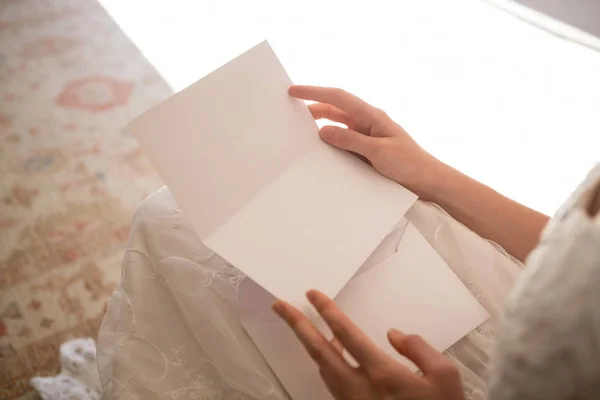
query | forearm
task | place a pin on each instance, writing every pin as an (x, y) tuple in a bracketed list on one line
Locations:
[(488, 213)]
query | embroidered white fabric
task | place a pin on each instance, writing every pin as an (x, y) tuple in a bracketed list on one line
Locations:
[(172, 330), (78, 378)]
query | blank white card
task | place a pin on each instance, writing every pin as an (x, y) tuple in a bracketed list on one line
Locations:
[(409, 288), (245, 163)]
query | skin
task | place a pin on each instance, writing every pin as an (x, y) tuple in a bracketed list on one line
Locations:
[(372, 135), (378, 376)]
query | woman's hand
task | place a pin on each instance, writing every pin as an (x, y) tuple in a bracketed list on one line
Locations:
[(373, 135), (378, 375)]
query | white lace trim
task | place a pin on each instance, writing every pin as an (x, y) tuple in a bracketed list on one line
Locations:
[(78, 379)]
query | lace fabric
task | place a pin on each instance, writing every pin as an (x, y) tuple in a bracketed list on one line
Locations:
[(172, 329)]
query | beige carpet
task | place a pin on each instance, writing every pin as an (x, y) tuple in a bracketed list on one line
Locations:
[(70, 177)]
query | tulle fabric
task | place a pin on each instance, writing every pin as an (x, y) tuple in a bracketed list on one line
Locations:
[(172, 327)]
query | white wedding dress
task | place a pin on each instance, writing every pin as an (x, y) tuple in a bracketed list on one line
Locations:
[(172, 330)]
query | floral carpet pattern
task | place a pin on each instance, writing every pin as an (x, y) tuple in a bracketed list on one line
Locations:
[(70, 177)]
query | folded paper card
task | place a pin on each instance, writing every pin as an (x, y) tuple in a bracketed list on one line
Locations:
[(410, 288), (246, 164)]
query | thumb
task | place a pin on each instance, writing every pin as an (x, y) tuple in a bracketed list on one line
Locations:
[(347, 139), (417, 350)]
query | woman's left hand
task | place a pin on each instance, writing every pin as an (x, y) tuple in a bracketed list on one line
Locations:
[(378, 376)]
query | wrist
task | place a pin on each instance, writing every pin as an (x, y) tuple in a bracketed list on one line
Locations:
[(436, 182)]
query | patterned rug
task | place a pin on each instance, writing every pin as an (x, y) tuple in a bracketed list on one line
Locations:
[(70, 177)]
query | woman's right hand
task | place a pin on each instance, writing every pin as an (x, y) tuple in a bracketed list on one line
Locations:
[(372, 134)]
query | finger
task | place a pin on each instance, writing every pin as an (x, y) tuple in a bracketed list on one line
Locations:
[(364, 351), (333, 383), (337, 97), (337, 345), (417, 350), (319, 349), (327, 111), (350, 140)]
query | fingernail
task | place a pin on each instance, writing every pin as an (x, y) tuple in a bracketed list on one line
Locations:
[(311, 295), (279, 308), (326, 134), (395, 333)]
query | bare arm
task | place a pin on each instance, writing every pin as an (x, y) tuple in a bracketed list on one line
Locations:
[(488, 213), (372, 134)]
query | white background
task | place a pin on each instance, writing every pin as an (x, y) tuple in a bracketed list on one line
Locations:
[(506, 103)]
